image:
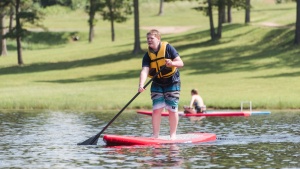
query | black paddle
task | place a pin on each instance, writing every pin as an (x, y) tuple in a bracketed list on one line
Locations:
[(93, 140)]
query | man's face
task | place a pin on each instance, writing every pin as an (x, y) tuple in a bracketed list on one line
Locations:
[(153, 41)]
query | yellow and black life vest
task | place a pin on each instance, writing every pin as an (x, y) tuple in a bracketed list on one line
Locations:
[(158, 61)]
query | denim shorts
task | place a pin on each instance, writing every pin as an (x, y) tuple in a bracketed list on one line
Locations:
[(165, 96)]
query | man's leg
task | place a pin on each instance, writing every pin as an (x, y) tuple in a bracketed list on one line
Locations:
[(156, 120), (172, 94), (173, 121), (158, 103)]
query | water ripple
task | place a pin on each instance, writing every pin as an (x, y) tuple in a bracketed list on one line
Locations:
[(48, 140)]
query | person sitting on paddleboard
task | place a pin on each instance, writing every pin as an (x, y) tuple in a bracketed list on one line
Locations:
[(197, 104), (165, 88)]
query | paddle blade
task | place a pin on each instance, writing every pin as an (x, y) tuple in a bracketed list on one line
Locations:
[(91, 141)]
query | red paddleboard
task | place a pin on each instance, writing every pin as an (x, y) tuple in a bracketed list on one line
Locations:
[(213, 113), (118, 140), (221, 113)]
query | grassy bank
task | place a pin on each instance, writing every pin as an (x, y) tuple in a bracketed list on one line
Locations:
[(255, 62)]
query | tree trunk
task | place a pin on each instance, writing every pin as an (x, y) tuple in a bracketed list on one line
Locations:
[(111, 13), (91, 33), (11, 18), (18, 33), (229, 17), (112, 29), (221, 9), (297, 31), (247, 11), (137, 44), (211, 20), (224, 18), (91, 20), (3, 49), (161, 7)]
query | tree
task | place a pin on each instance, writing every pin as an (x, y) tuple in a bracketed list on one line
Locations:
[(27, 13), (221, 8), (91, 20), (11, 17), (208, 5), (19, 32), (3, 49), (4, 7), (229, 7), (247, 11), (297, 24), (208, 11), (238, 4), (161, 7), (46, 3), (116, 11), (72, 4), (221, 12), (137, 44), (111, 18), (93, 7), (297, 31), (211, 20)]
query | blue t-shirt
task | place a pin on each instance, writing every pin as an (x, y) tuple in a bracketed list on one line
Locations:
[(171, 53)]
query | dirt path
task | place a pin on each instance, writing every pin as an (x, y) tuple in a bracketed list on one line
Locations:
[(169, 29), (180, 29)]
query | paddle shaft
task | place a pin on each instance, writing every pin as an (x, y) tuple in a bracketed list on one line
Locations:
[(93, 140)]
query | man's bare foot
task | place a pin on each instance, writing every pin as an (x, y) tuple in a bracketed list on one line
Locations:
[(173, 137), (155, 136)]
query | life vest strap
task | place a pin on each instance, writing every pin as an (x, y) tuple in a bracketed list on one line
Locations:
[(154, 60)]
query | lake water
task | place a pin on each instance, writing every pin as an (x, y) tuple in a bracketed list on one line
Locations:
[(48, 139)]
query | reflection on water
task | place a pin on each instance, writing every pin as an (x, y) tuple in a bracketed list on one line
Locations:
[(49, 140), (150, 156)]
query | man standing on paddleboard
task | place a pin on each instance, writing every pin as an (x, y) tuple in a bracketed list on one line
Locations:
[(165, 88)]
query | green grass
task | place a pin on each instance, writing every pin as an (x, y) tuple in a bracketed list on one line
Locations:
[(252, 62)]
